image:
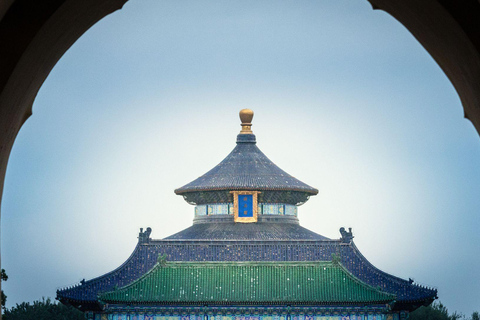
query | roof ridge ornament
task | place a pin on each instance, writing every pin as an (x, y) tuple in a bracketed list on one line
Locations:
[(144, 236), (246, 116), (162, 259), (347, 237)]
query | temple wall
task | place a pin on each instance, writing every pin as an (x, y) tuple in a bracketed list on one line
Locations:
[(153, 316), (263, 208)]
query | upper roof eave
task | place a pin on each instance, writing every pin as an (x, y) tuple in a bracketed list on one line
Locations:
[(183, 190), (246, 168)]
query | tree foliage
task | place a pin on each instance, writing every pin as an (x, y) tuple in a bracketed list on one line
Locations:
[(3, 277), (437, 311), (48, 310), (42, 310)]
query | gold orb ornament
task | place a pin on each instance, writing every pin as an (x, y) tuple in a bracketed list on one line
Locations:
[(246, 116)]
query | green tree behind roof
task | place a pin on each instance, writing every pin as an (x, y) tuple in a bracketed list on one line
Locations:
[(42, 310), (437, 311), (3, 277)]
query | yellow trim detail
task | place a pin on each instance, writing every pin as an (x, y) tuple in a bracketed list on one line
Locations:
[(236, 218)]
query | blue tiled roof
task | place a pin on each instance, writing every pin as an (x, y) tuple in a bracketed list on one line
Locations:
[(246, 168), (409, 295), (229, 230)]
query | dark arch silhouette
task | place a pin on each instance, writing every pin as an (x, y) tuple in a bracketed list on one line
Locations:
[(34, 35)]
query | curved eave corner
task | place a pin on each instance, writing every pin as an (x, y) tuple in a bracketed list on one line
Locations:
[(85, 293), (422, 295)]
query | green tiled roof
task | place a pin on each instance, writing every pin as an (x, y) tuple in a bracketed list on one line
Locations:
[(247, 283)]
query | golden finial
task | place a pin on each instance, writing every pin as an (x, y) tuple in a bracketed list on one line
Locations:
[(246, 116)]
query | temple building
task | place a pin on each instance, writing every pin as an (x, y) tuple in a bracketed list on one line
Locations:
[(246, 257)]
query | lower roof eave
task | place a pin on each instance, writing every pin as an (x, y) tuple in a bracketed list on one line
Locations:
[(412, 305), (82, 305), (282, 304), (282, 308)]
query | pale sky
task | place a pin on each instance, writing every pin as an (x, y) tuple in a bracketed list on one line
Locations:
[(345, 99)]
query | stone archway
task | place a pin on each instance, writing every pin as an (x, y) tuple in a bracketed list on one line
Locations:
[(449, 31), (34, 35)]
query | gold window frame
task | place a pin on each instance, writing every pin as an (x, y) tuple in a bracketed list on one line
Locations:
[(254, 195)]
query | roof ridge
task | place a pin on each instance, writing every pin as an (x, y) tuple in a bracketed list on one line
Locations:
[(101, 277), (360, 282), (398, 279)]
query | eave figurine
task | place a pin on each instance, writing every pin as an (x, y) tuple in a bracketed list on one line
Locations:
[(246, 257)]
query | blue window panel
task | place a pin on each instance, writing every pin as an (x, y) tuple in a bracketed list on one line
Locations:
[(245, 205)]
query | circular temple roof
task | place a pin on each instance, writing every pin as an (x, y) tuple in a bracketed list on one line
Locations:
[(246, 168)]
